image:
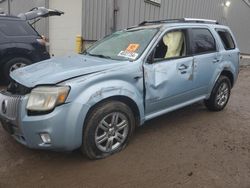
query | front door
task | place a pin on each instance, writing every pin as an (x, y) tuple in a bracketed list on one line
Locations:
[(169, 77)]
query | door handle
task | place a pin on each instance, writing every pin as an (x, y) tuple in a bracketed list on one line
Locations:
[(137, 77), (216, 60), (182, 67)]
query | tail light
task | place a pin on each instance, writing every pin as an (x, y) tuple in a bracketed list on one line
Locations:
[(43, 41)]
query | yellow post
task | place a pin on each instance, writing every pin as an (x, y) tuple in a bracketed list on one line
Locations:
[(79, 42)]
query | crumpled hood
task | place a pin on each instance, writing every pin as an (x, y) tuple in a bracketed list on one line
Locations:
[(56, 70)]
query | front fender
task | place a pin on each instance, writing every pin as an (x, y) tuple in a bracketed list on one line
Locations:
[(95, 94), (101, 91)]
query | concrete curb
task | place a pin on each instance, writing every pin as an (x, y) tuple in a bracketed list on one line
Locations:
[(245, 62)]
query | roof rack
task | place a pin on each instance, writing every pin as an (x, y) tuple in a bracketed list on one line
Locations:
[(181, 20), (201, 20)]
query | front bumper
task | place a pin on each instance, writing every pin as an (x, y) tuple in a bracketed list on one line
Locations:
[(64, 124)]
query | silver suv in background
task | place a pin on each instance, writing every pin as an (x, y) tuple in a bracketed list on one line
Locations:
[(94, 100)]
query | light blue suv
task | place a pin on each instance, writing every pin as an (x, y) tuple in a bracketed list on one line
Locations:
[(95, 100)]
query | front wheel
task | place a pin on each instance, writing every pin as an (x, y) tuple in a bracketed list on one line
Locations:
[(107, 130), (220, 94)]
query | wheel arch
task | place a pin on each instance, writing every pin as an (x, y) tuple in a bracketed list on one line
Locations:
[(88, 96), (120, 98), (222, 71), (9, 56), (22, 50), (228, 74)]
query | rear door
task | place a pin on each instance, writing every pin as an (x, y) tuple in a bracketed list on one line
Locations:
[(206, 59)]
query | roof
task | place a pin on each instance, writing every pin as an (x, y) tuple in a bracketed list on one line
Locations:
[(7, 17)]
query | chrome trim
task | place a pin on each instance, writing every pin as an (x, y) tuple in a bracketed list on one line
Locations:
[(200, 20), (11, 105)]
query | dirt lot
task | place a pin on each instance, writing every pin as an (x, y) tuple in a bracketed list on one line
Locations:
[(191, 147)]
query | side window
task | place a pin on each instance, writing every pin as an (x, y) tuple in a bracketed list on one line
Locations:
[(226, 39), (16, 28), (171, 45), (202, 41)]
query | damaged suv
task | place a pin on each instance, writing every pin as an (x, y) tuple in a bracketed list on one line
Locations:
[(94, 100)]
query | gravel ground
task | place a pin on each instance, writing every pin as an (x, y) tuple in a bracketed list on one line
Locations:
[(191, 147)]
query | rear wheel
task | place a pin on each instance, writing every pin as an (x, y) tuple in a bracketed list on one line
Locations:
[(14, 64), (220, 94), (107, 130)]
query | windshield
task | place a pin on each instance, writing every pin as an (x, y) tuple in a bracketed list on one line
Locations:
[(123, 45)]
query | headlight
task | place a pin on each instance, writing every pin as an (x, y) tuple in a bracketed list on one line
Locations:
[(47, 98)]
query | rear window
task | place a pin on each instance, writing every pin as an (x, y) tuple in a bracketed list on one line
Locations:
[(226, 39), (16, 28), (202, 41)]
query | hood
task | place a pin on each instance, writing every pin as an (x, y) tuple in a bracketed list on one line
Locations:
[(56, 70)]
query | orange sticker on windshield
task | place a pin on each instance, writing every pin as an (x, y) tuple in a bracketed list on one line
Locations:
[(132, 47)]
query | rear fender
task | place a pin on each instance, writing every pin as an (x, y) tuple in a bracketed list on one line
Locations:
[(223, 66)]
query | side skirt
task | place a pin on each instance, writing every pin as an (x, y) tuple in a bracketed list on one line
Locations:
[(159, 113)]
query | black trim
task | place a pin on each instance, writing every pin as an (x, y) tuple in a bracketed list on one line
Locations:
[(188, 41), (39, 113)]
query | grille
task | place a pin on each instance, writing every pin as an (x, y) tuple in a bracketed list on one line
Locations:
[(9, 105)]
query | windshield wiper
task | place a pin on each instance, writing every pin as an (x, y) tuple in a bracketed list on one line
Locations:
[(99, 55)]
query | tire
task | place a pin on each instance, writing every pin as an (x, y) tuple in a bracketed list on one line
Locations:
[(97, 136), (12, 64), (220, 94)]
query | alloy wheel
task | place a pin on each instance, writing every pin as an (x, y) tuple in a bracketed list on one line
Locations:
[(111, 132), (222, 94)]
